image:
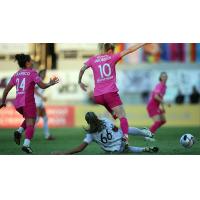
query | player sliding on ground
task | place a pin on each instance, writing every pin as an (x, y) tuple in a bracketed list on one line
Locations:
[(106, 91), (25, 80), (109, 137), (155, 106)]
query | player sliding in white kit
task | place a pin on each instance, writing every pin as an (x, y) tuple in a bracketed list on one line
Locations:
[(109, 137)]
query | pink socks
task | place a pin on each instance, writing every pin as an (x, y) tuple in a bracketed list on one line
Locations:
[(124, 125), (29, 132), (156, 125)]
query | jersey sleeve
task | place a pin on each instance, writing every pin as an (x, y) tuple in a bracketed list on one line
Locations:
[(88, 63), (157, 89), (116, 57), (12, 81), (36, 77), (88, 138)]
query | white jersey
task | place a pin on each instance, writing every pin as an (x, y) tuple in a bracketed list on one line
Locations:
[(38, 99), (108, 139)]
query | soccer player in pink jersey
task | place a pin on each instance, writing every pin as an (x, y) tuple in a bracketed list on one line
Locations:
[(25, 80), (106, 91), (155, 106)]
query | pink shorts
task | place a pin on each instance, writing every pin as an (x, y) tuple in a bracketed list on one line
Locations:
[(110, 100), (28, 111), (153, 111)]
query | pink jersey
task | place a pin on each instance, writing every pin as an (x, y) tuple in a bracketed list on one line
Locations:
[(24, 80), (160, 90), (103, 67)]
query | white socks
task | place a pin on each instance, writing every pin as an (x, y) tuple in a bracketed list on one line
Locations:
[(136, 149), (46, 127), (20, 130), (26, 143), (136, 132)]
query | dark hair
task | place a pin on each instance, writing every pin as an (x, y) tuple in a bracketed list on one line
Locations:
[(95, 124), (22, 59), (108, 46), (161, 75)]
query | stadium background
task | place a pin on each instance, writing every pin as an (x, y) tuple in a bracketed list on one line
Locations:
[(137, 74)]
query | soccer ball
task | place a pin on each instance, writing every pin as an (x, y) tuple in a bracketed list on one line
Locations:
[(187, 140)]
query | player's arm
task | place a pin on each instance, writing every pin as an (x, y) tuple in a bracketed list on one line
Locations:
[(46, 85), (77, 149), (82, 71), (160, 100), (131, 49), (5, 94)]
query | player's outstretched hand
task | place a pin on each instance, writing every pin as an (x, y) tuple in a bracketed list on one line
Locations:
[(2, 105), (83, 86), (54, 80)]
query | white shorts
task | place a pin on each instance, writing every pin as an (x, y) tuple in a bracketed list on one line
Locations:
[(39, 104)]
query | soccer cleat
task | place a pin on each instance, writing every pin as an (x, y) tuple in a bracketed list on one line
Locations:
[(17, 137), (125, 140), (50, 138), (147, 132), (151, 149), (27, 150), (150, 135), (150, 139)]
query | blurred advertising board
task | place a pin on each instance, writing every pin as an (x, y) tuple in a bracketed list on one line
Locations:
[(74, 116), (59, 116), (185, 115)]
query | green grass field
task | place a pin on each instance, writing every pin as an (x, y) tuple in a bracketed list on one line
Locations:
[(167, 139)]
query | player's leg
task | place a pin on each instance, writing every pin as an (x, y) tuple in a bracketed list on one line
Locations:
[(47, 135), (21, 129), (163, 119), (158, 117), (157, 123), (18, 133), (143, 149), (144, 132), (38, 114), (111, 111), (101, 101), (30, 128), (120, 112), (114, 102), (30, 115)]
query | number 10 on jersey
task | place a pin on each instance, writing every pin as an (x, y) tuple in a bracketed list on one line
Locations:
[(105, 70)]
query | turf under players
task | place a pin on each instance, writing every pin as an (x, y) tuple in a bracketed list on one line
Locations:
[(25, 80), (155, 106), (106, 91), (109, 137)]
